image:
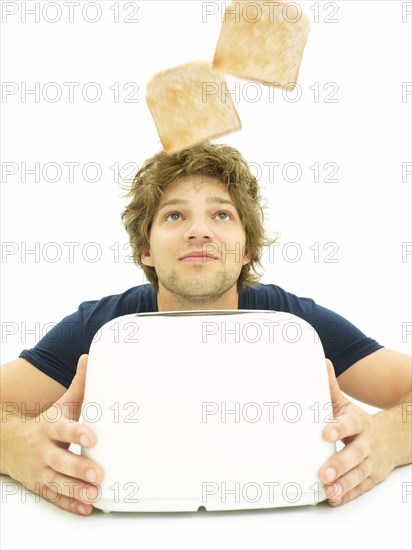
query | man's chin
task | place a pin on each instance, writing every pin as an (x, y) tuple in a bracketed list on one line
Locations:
[(199, 288), (199, 291)]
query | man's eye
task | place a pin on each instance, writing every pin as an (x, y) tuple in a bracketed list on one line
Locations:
[(224, 214), (172, 214)]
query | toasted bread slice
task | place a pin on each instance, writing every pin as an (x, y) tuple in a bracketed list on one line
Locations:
[(262, 41), (190, 104)]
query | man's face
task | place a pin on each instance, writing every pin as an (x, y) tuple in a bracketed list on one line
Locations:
[(196, 216)]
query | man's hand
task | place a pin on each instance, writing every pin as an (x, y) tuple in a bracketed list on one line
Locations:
[(41, 459), (367, 458)]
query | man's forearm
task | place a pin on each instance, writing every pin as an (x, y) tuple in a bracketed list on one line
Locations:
[(11, 420), (398, 423)]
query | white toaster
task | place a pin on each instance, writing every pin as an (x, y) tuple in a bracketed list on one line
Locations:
[(216, 409)]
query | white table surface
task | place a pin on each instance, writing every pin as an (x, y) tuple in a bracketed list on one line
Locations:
[(379, 519)]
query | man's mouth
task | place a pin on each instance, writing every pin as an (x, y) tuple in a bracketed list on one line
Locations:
[(198, 257)]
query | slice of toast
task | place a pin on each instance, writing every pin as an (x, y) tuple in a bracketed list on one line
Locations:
[(190, 104), (262, 41)]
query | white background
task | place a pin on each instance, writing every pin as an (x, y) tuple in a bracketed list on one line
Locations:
[(365, 52)]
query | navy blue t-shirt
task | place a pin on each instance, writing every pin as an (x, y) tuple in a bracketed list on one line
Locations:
[(58, 351)]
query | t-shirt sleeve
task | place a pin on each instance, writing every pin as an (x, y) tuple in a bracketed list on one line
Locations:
[(343, 343), (58, 352)]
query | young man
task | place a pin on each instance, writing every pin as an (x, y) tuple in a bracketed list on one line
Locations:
[(196, 226)]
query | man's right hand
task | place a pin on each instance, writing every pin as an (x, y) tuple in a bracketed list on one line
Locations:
[(42, 461)]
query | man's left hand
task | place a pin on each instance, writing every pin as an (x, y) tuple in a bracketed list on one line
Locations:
[(366, 459)]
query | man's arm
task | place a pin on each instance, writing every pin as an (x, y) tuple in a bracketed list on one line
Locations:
[(25, 392), (398, 420), (381, 379), (27, 388), (34, 446), (374, 443)]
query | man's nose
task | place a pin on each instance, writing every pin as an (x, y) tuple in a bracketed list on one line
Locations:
[(198, 228)]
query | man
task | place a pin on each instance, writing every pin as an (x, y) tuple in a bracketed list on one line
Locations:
[(196, 226)]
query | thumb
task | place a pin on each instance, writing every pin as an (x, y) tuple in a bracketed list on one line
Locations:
[(71, 401), (337, 397)]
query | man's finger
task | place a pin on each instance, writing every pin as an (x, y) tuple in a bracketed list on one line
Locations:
[(71, 401), (338, 399)]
